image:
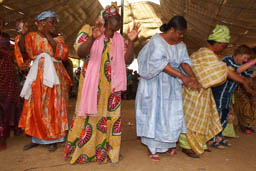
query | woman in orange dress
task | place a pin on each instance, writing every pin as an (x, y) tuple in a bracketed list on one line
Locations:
[(44, 115)]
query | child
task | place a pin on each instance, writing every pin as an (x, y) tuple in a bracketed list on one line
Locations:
[(239, 63)]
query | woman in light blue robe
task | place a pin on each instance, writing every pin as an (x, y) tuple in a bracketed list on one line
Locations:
[(164, 65)]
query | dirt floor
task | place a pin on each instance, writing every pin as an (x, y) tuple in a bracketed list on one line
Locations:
[(241, 156)]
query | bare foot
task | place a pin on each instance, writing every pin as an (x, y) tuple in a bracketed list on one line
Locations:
[(216, 144)]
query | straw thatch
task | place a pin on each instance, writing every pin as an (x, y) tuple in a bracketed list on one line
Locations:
[(202, 16)]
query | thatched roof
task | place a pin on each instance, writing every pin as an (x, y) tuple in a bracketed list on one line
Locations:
[(202, 16), (73, 14)]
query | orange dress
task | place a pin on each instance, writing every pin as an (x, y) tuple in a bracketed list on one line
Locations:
[(44, 115)]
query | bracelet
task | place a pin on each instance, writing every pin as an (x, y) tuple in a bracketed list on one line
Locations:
[(251, 64)]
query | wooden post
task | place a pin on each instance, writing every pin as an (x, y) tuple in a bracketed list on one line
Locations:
[(122, 16)]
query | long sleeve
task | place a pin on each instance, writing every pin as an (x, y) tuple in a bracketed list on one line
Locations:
[(152, 59), (209, 70), (21, 58), (61, 52), (83, 35)]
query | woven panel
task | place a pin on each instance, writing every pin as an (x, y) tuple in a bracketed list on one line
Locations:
[(73, 14), (202, 16), (146, 13)]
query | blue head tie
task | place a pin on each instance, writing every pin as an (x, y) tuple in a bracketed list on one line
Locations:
[(47, 14)]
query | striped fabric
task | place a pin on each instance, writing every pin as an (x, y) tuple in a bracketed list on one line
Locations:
[(244, 108), (223, 93), (200, 110)]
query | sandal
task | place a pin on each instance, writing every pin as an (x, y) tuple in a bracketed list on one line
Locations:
[(208, 150), (190, 153), (224, 143), (17, 131), (253, 130), (52, 147), (29, 146), (217, 145), (3, 147), (248, 132), (154, 157)]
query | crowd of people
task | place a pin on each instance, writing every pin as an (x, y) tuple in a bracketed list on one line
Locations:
[(180, 99), (132, 85)]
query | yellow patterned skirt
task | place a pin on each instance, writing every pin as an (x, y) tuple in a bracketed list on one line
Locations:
[(97, 138)]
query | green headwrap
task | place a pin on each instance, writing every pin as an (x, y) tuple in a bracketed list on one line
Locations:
[(220, 34)]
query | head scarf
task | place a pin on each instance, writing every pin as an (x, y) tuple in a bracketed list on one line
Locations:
[(47, 14), (109, 11), (220, 34)]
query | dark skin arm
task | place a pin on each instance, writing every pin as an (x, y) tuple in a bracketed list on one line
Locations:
[(235, 77), (85, 48), (21, 43), (129, 55), (23, 34), (246, 66), (132, 36), (186, 67), (171, 71), (242, 80)]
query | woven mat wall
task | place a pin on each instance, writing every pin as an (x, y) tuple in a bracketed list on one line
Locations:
[(202, 16), (73, 14)]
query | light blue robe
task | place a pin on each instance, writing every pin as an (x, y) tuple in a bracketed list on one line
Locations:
[(159, 108)]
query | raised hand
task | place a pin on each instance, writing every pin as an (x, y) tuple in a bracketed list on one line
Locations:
[(133, 34), (25, 28), (22, 27), (98, 30)]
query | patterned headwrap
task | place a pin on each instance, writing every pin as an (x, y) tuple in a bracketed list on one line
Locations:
[(47, 14), (109, 11), (220, 34)]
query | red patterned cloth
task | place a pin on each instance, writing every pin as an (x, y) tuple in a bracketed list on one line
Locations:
[(9, 91)]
